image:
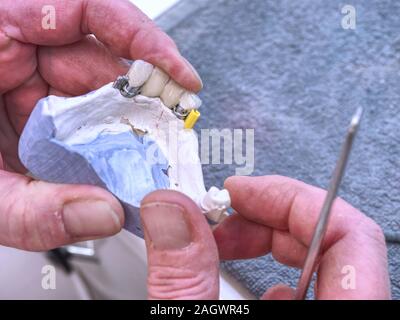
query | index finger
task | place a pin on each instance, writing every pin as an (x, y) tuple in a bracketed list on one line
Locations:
[(120, 25), (279, 214), (289, 205)]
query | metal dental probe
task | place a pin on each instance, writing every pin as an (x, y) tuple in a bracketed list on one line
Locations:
[(320, 229)]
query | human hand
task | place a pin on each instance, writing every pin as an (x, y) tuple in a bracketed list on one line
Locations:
[(274, 215), (66, 61)]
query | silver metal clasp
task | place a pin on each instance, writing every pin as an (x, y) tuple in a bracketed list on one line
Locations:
[(122, 84)]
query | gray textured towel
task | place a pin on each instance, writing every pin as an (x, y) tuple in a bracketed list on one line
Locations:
[(289, 70)]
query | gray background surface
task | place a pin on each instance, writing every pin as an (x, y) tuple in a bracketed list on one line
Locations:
[(289, 70)]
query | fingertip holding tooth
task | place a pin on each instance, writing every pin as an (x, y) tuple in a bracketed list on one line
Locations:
[(196, 75), (154, 86), (171, 94), (190, 101), (139, 73)]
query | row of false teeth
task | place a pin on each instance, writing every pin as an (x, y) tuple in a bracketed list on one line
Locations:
[(145, 79)]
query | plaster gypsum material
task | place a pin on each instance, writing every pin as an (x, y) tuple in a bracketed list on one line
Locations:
[(129, 146)]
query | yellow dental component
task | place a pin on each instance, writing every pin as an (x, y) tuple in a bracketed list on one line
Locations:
[(191, 119)]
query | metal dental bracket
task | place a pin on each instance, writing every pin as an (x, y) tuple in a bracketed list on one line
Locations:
[(180, 112), (122, 84)]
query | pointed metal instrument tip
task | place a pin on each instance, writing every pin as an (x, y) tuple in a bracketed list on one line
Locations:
[(356, 119)]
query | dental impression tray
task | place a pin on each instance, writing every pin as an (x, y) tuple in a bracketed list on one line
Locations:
[(131, 137)]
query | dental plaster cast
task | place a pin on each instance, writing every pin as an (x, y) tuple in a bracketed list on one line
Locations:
[(131, 137)]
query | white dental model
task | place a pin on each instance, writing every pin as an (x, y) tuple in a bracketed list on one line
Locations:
[(130, 137), (163, 125)]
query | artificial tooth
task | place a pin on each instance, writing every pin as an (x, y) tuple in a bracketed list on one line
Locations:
[(190, 101), (171, 94), (216, 199), (139, 73), (215, 203), (222, 198), (154, 86)]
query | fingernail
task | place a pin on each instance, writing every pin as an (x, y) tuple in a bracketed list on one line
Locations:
[(166, 225), (196, 74), (90, 219)]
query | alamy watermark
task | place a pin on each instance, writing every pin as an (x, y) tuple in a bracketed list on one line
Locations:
[(216, 146), (49, 17), (349, 279), (49, 277), (349, 19)]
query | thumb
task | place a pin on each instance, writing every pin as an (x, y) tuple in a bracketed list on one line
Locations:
[(279, 292), (38, 216), (181, 251)]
